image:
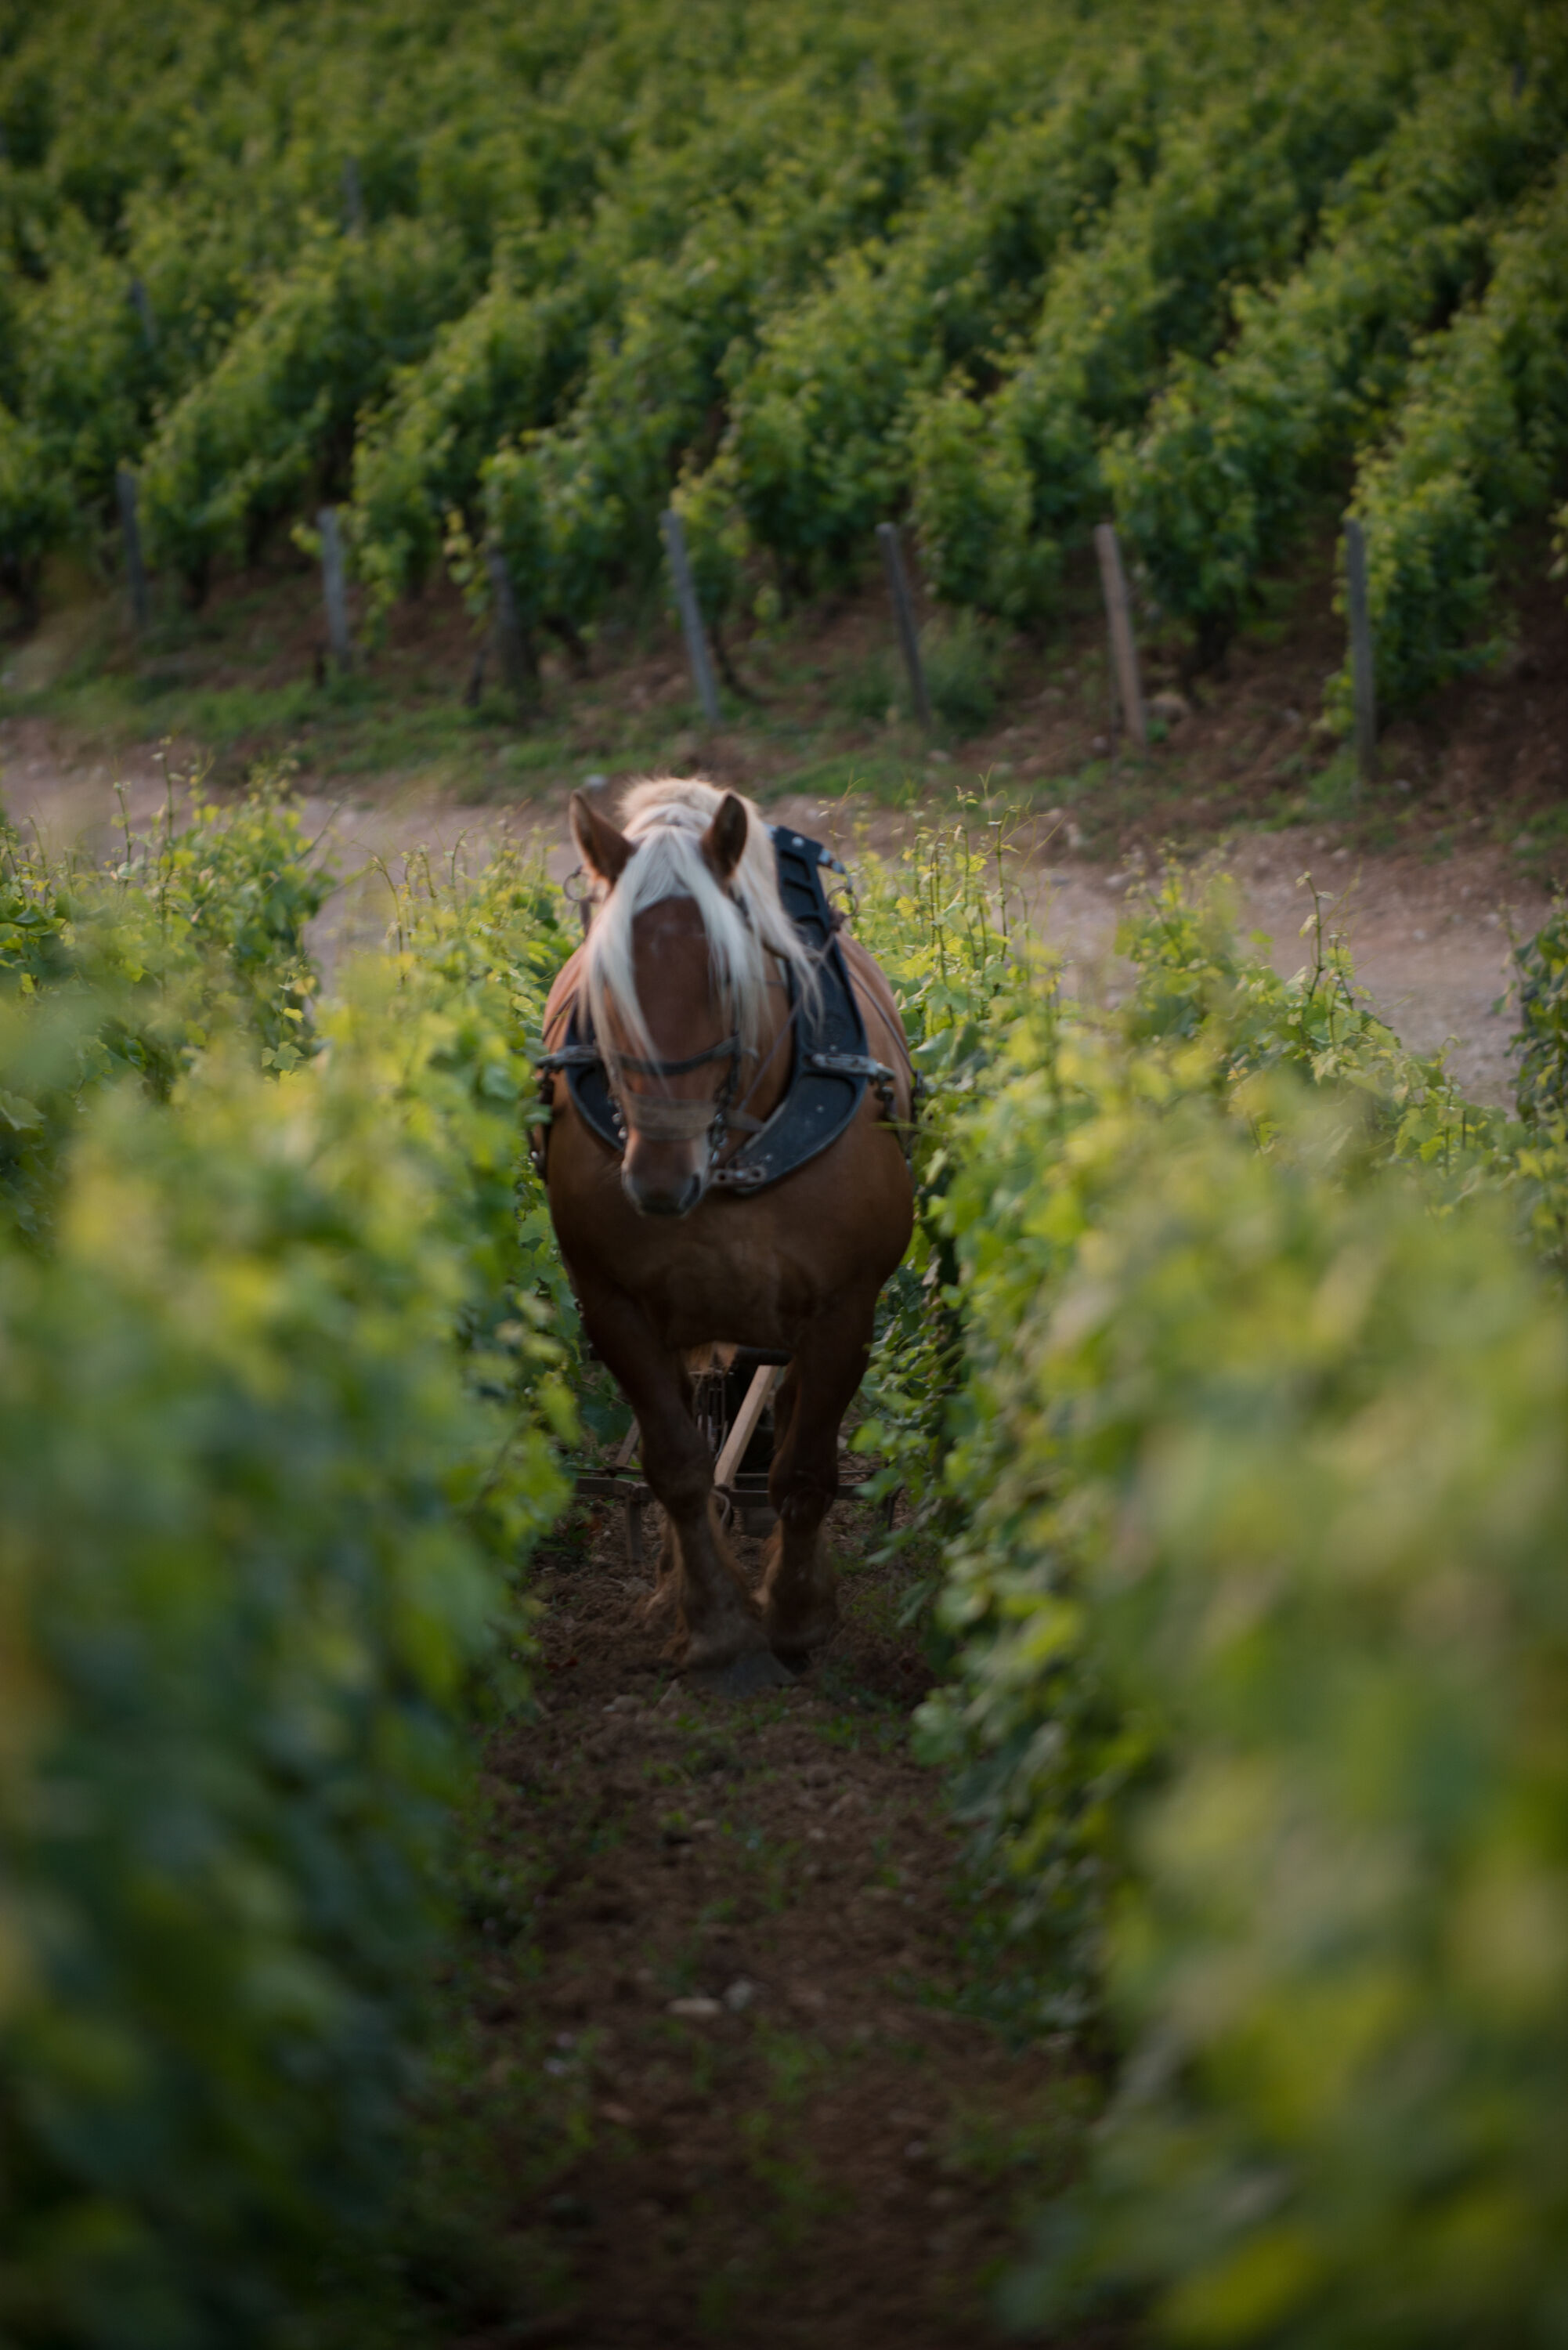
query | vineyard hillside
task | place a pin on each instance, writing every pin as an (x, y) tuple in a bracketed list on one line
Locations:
[(520, 281)]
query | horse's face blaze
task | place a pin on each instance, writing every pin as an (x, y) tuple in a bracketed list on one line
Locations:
[(665, 1174)]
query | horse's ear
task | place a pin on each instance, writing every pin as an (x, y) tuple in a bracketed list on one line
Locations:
[(725, 842), (603, 849)]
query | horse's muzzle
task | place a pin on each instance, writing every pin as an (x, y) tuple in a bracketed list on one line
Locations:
[(654, 1199)]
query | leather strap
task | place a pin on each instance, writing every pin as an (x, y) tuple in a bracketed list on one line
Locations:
[(728, 1048)]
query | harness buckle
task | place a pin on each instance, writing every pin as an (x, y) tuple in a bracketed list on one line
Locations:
[(849, 1064)]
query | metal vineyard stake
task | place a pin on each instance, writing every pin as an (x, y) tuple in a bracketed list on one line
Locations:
[(137, 296), (335, 588), (353, 198), (130, 532), (514, 653)]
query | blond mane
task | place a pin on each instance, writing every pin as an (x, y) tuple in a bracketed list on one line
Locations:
[(748, 929)]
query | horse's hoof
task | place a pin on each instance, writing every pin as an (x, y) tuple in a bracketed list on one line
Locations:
[(747, 1675)]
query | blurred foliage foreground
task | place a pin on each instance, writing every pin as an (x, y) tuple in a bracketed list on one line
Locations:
[(277, 1397), (1227, 1380), (1252, 1496)]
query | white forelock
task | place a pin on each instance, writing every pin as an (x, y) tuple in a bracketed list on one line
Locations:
[(746, 923)]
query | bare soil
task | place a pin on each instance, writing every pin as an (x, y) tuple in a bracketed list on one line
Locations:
[(801, 2108)]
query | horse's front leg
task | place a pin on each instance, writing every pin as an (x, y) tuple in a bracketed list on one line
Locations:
[(800, 1598), (716, 1618)]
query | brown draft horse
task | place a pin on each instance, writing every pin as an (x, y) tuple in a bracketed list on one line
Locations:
[(683, 969)]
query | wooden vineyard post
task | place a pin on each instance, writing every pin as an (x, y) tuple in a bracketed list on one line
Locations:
[(691, 614), (1124, 645), (335, 588), (130, 532), (353, 198), (1363, 676), (514, 653), (904, 612), (143, 309)]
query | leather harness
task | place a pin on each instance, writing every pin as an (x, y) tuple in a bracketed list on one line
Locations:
[(830, 1071)]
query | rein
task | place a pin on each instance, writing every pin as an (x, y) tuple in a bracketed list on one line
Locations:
[(740, 1117)]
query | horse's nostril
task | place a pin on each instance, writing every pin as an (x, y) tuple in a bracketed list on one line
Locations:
[(651, 1200)]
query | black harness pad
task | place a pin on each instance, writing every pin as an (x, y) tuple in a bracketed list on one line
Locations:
[(830, 1069)]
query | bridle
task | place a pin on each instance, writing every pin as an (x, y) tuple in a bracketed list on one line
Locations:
[(800, 1127), (719, 1115), (661, 1119)]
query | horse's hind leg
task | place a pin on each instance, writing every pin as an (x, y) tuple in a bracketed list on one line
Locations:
[(716, 1618), (800, 1599)]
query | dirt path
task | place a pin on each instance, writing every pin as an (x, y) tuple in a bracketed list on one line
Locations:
[(749, 1955), (1429, 938)]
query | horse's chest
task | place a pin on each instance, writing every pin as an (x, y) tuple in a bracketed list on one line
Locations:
[(727, 1284)]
